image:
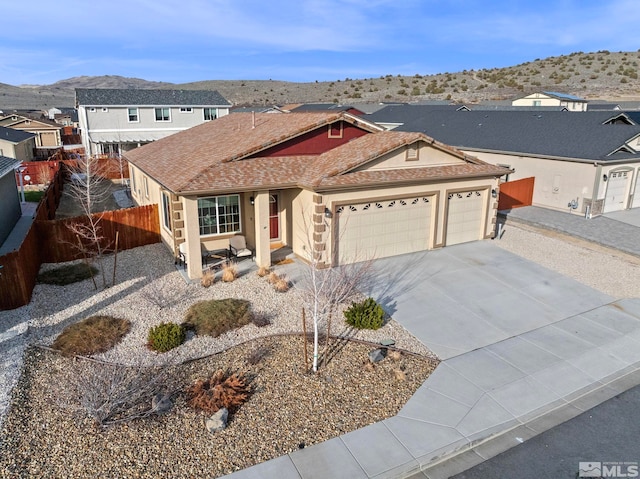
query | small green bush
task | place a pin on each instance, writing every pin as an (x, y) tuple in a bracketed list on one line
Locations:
[(217, 316), (365, 315), (166, 336), (67, 274)]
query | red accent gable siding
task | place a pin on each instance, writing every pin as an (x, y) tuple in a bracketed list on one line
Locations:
[(314, 142)]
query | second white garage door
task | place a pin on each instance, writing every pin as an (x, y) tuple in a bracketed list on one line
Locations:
[(464, 217), (379, 229)]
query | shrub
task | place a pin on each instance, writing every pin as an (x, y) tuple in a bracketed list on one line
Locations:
[(67, 274), (221, 390), (112, 393), (229, 272), (208, 278), (281, 285), (93, 335), (217, 316), (365, 315), (166, 336), (263, 271)]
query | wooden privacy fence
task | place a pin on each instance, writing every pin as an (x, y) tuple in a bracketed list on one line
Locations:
[(516, 194), (137, 226), (51, 241)]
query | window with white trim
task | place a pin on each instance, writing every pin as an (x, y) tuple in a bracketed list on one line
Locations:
[(210, 114), (219, 215), (132, 115), (145, 183), (186, 109), (163, 114), (166, 211)]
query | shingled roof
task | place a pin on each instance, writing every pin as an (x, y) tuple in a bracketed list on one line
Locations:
[(577, 135), (223, 156), (139, 97), (14, 136)]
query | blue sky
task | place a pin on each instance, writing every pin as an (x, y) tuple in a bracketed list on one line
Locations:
[(181, 41)]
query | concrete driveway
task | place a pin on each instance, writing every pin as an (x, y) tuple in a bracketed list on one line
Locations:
[(469, 296), (523, 349)]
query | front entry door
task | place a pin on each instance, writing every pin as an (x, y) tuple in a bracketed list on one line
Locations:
[(274, 218)]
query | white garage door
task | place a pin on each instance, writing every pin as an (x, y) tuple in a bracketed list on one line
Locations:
[(379, 229), (616, 197), (636, 194), (465, 220)]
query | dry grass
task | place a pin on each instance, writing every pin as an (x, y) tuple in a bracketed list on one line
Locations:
[(217, 316), (208, 278), (263, 271), (273, 277), (229, 272), (93, 335), (67, 274), (282, 285)]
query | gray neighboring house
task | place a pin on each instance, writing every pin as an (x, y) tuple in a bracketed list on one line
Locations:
[(116, 120), (586, 162), (17, 144), (10, 210)]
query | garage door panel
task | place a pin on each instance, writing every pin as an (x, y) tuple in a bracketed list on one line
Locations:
[(464, 217), (616, 196), (383, 228)]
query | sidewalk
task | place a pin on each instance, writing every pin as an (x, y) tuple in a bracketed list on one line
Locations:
[(619, 230)]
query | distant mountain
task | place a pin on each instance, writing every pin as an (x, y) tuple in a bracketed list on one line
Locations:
[(604, 75)]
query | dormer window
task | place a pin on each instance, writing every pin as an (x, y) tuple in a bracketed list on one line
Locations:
[(335, 130)]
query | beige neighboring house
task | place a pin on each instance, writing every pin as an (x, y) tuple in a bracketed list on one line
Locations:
[(323, 183), (116, 120), (552, 98), (47, 133), (17, 144)]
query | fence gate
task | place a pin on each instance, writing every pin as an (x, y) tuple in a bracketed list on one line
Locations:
[(516, 194)]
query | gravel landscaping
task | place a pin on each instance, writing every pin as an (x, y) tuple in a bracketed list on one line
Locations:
[(288, 407)]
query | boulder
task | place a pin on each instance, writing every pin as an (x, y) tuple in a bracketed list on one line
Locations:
[(377, 355), (161, 403), (218, 421)]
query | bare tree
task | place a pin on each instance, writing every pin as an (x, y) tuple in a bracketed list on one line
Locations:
[(326, 287), (89, 190)]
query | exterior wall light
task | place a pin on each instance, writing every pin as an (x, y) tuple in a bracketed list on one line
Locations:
[(605, 177), (327, 213), (494, 193)]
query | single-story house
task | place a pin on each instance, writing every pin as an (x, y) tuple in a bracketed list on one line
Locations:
[(17, 144), (47, 133), (10, 210), (584, 163), (552, 98), (324, 183)]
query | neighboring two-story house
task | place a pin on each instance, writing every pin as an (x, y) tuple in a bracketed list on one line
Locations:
[(116, 120), (17, 144), (552, 98)]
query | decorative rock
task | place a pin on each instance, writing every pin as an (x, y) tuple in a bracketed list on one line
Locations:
[(377, 355), (161, 403), (387, 342), (218, 421)]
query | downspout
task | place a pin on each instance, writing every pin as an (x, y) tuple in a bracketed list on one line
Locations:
[(596, 187)]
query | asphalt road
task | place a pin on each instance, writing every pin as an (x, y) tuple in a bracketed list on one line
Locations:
[(608, 433)]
